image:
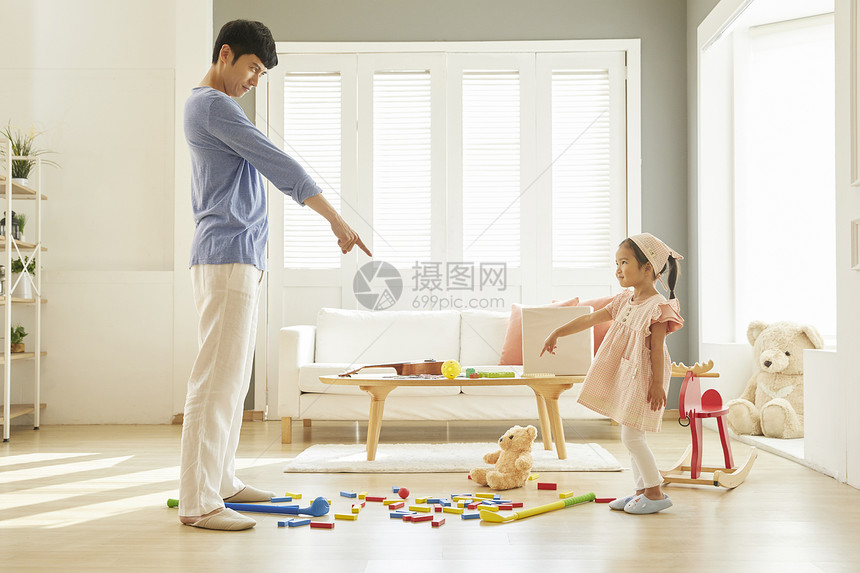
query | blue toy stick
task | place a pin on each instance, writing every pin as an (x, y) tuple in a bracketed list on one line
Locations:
[(318, 507)]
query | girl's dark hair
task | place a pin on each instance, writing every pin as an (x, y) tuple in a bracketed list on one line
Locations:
[(247, 37), (671, 265)]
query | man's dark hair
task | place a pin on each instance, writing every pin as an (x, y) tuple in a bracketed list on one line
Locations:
[(247, 37)]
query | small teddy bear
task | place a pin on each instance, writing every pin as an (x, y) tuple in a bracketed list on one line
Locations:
[(512, 463), (772, 403)]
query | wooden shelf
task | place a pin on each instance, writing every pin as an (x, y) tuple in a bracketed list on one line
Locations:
[(21, 356), (20, 300), (16, 410), (21, 244), (19, 191)]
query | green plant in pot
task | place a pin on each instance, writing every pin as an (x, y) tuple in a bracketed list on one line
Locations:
[(23, 145), (24, 287), (16, 337), (22, 222)]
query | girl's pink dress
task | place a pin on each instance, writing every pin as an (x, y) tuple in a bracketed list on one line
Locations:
[(617, 382)]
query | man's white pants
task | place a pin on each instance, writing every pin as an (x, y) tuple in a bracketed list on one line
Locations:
[(226, 297)]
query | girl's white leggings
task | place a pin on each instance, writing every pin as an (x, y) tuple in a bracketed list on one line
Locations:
[(645, 472), (226, 297)]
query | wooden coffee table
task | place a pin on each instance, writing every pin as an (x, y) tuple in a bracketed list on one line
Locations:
[(547, 390)]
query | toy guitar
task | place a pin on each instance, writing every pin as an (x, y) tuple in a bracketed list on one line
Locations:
[(429, 366)]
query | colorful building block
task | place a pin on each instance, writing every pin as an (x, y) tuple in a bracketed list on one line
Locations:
[(374, 498), (533, 476), (348, 494), (283, 522), (517, 504), (506, 506), (438, 522), (347, 516), (397, 505), (293, 495), (422, 508), (417, 518), (362, 495), (395, 489), (471, 516), (486, 495), (420, 500), (281, 499), (565, 494), (322, 525), (298, 522), (547, 485), (453, 510), (603, 499)]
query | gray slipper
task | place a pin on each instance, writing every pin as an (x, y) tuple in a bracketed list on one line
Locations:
[(619, 503), (225, 520), (641, 505)]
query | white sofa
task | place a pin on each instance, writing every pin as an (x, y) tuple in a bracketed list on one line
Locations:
[(347, 339)]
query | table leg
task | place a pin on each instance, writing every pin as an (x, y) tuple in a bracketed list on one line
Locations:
[(545, 430), (374, 425), (550, 394)]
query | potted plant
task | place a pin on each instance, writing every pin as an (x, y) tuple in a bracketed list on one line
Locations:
[(22, 145), (16, 336), (22, 222), (24, 284)]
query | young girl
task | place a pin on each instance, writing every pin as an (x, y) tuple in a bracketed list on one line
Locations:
[(627, 381)]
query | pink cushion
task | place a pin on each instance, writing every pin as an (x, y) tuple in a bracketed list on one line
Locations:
[(601, 329), (512, 351)]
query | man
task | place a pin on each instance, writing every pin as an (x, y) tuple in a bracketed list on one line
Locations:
[(228, 156)]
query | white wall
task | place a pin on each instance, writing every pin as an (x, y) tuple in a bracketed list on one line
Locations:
[(101, 78)]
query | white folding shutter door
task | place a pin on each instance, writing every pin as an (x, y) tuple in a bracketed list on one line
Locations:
[(491, 166), (581, 172), (402, 166), (312, 136)]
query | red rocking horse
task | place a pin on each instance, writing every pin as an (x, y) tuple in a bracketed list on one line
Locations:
[(693, 406)]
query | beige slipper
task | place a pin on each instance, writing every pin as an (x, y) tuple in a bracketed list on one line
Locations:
[(250, 494), (224, 520)]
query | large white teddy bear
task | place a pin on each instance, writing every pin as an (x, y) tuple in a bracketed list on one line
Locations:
[(772, 403)]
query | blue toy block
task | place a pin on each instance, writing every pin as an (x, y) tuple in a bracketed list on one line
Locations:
[(298, 522), (348, 494), (282, 523), (281, 499), (395, 489), (470, 515)]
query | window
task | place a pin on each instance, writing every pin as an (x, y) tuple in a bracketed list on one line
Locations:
[(462, 153)]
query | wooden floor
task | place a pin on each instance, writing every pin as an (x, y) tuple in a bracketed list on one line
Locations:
[(92, 498)]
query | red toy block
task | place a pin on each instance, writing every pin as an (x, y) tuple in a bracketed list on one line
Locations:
[(603, 499), (377, 498), (437, 508), (397, 505), (506, 506), (322, 525), (417, 518), (547, 485), (517, 504), (438, 522)]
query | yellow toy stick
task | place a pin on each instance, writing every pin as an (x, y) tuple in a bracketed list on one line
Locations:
[(498, 518)]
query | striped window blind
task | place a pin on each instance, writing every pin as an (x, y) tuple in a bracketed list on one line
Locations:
[(491, 166), (581, 213), (312, 136), (401, 166)]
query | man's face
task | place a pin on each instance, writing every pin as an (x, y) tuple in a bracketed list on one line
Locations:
[(243, 74)]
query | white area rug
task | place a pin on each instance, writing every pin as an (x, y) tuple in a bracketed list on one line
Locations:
[(441, 458)]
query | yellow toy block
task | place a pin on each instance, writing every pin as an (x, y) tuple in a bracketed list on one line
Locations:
[(420, 500), (461, 504), (461, 498), (348, 516), (453, 510), (422, 508), (293, 495), (565, 494), (533, 476), (489, 507), (390, 501), (362, 495), (485, 495)]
